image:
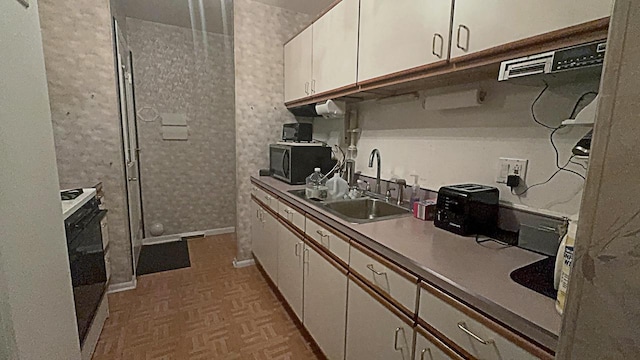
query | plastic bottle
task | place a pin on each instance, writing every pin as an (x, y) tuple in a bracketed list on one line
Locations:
[(338, 187), (316, 185), (567, 262), (415, 190)]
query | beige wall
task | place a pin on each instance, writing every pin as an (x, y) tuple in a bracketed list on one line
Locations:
[(464, 145), (37, 319), (186, 185), (260, 32), (602, 318), (78, 48)]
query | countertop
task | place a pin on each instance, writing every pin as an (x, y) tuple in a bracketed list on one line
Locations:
[(475, 274)]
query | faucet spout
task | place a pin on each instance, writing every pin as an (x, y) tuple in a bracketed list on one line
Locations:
[(375, 153)]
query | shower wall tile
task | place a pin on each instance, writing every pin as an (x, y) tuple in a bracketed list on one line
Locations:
[(78, 49), (260, 32), (186, 185)]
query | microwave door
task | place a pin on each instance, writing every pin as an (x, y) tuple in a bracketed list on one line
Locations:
[(280, 163)]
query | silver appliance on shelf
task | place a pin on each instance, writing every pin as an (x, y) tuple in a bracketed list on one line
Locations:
[(551, 62)]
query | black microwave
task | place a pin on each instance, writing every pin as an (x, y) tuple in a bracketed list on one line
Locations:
[(292, 163)]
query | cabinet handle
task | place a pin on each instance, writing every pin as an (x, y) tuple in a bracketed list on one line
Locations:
[(268, 198), (313, 86), (322, 236), (289, 211), (433, 45), (462, 326), (296, 248), (305, 257), (466, 47), (395, 340), (424, 351), (370, 267), (306, 88), (257, 213), (321, 233)]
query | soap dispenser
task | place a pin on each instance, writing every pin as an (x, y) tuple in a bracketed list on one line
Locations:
[(415, 190)]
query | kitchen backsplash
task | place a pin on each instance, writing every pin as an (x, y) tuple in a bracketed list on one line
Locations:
[(464, 145)]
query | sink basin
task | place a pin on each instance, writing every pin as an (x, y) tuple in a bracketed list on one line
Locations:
[(358, 211), (365, 210)]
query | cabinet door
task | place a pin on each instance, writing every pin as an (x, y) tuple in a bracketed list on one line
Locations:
[(325, 303), (481, 25), (402, 34), (290, 249), (335, 47), (269, 246), (374, 331), (257, 231), (297, 66)]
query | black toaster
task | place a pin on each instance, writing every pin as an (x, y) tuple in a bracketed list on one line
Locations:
[(468, 209)]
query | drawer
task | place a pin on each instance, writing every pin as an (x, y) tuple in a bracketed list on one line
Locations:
[(400, 286), (266, 198), (294, 216), (336, 244), (469, 334), (428, 347)]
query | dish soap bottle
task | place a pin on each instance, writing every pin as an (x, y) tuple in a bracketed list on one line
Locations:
[(564, 262), (415, 190), (316, 185)]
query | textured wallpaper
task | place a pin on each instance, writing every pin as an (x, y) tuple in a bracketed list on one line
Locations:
[(78, 49), (260, 33), (186, 185)]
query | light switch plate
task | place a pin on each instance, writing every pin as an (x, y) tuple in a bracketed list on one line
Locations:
[(509, 166)]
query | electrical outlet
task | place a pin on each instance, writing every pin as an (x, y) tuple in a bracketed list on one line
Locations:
[(508, 166)]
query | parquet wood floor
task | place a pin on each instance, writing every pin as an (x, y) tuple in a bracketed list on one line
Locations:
[(208, 311)]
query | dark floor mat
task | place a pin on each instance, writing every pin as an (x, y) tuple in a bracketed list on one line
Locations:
[(163, 257)]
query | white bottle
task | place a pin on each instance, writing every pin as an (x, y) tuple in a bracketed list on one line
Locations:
[(338, 187), (564, 262)]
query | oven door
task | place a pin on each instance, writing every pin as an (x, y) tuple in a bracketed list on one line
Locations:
[(88, 272), (280, 162)]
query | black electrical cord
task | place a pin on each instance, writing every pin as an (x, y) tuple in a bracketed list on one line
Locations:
[(563, 168), (533, 104), (582, 97), (577, 163)]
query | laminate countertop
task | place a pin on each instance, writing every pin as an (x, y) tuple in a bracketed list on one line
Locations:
[(475, 274)]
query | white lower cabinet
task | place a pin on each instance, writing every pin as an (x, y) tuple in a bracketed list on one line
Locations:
[(374, 331), (264, 238), (290, 248), (325, 302)]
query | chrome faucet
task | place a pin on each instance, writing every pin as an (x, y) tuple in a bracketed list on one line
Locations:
[(376, 153)]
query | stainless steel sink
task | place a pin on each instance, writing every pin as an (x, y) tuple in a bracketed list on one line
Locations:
[(365, 210), (359, 211)]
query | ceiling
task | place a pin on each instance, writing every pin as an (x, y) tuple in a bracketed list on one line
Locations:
[(215, 14)]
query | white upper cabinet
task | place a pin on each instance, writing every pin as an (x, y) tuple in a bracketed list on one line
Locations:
[(402, 34), (335, 47), (297, 66), (481, 25)]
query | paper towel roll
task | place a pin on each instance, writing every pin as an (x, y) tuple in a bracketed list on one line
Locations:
[(454, 100)]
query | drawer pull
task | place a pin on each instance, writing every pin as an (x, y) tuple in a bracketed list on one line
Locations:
[(426, 351), (321, 233), (462, 326), (370, 267), (268, 198), (395, 340)]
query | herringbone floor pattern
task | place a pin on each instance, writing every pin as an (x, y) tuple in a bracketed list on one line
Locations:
[(208, 311)]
